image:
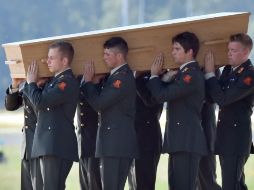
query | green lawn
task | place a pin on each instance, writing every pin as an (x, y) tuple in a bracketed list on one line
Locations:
[(10, 170)]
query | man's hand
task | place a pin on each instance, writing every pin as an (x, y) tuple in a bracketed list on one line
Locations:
[(157, 65), (16, 82), (32, 73), (169, 75), (89, 71), (97, 78), (41, 81), (209, 62)]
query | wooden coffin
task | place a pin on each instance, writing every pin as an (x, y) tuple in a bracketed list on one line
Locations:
[(144, 40)]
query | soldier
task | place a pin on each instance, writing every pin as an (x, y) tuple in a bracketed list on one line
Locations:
[(233, 92), (15, 99), (207, 165), (148, 130), (89, 169), (116, 144), (184, 137), (55, 142)]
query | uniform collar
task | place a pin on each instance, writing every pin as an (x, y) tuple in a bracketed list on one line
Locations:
[(116, 68), (58, 74), (185, 64)]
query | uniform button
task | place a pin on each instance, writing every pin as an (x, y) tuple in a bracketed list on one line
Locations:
[(26, 106), (26, 127), (48, 109), (51, 85), (218, 120), (227, 86), (235, 125), (148, 122), (49, 128), (81, 114), (108, 128), (26, 116), (36, 124), (82, 125), (178, 123), (81, 103)]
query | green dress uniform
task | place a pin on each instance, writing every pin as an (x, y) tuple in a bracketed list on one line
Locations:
[(30, 173), (184, 138), (147, 126), (116, 143), (207, 164), (89, 168), (55, 141), (233, 92)]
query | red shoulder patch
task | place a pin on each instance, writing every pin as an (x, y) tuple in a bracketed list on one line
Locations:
[(247, 81), (187, 78), (117, 84), (62, 86)]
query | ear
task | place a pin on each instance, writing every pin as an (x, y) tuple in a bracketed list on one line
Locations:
[(65, 61), (246, 52)]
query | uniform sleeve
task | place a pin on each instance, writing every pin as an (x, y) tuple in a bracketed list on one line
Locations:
[(223, 97), (109, 95), (162, 92), (13, 101), (144, 94), (53, 96)]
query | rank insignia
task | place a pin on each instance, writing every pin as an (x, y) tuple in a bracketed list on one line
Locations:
[(187, 78), (185, 69), (62, 85), (117, 84), (247, 81), (240, 70)]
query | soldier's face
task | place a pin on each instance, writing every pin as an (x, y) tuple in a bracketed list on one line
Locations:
[(179, 54), (237, 54), (55, 60), (110, 57)]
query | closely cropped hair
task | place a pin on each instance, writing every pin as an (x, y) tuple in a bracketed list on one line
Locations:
[(242, 38), (188, 41), (117, 42), (65, 48)]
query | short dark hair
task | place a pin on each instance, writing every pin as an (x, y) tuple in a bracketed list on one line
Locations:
[(242, 38), (65, 48), (188, 41), (117, 42)]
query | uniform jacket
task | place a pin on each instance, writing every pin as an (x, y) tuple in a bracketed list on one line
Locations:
[(87, 126), (147, 123), (184, 96), (116, 105), (15, 101), (234, 95), (56, 105), (209, 124)]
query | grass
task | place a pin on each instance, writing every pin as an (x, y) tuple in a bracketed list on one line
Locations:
[(10, 169)]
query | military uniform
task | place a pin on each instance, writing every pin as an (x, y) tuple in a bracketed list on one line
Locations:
[(184, 137), (234, 95), (207, 164), (89, 173), (55, 141), (116, 143), (29, 166), (148, 130)]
